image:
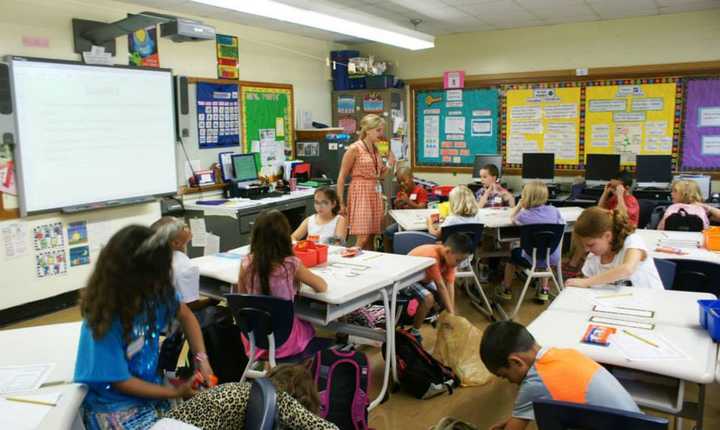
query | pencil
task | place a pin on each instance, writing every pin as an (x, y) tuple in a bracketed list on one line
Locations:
[(373, 256), (34, 402), (649, 342), (610, 296)]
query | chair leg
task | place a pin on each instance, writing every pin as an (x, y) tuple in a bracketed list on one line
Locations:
[(251, 359), (522, 296), (488, 310), (555, 281), (560, 275)]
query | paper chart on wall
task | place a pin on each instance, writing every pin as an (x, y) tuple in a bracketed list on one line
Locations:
[(15, 240), (543, 120), (630, 120), (431, 145)]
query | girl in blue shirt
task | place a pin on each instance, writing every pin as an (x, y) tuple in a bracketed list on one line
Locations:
[(128, 301)]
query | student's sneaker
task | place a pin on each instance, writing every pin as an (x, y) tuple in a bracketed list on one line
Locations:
[(504, 293), (416, 333), (543, 294), (483, 273)]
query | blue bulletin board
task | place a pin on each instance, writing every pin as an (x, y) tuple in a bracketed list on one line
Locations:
[(218, 115), (452, 126)]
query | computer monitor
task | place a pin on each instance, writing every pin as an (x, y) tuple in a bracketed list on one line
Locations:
[(600, 168), (538, 166), (244, 167), (654, 171), (482, 160)]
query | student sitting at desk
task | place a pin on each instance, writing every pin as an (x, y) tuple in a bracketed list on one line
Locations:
[(686, 196), (272, 269), (531, 209), (440, 277), (618, 194), (509, 351), (463, 210), (617, 253), (409, 196), (128, 301), (492, 194), (327, 225)]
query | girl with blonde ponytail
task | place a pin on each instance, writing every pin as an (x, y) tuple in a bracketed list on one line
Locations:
[(617, 255)]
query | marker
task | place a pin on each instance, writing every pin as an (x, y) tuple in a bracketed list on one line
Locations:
[(649, 342)]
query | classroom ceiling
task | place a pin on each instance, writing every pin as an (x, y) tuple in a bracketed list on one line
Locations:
[(438, 17)]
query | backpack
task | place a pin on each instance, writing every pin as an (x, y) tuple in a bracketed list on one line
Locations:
[(682, 221), (342, 379), (419, 372)]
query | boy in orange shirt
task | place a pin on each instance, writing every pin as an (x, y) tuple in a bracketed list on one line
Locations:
[(440, 277)]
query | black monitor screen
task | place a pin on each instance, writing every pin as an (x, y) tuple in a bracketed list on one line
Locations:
[(482, 160), (538, 165), (654, 168), (602, 167)]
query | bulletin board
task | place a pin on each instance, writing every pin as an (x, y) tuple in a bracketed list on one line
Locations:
[(267, 120), (452, 126), (701, 137), (639, 118)]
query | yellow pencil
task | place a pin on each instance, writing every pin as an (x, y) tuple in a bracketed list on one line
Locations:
[(611, 296), (34, 402), (642, 339)]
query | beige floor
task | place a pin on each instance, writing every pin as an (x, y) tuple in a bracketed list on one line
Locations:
[(482, 406)]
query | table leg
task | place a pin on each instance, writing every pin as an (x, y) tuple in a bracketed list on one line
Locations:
[(389, 350), (393, 311), (701, 407)]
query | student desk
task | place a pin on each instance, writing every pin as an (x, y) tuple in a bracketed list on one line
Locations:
[(562, 327), (54, 343), (352, 284), (690, 242), (233, 220)]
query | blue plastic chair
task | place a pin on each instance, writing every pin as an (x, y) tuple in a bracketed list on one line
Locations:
[(556, 415), (406, 241), (261, 412), (477, 295), (267, 322), (697, 276), (540, 241), (666, 269)]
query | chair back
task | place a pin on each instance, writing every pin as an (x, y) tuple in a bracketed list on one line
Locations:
[(666, 269), (474, 230), (406, 241), (556, 415), (261, 412), (544, 238), (697, 276), (646, 209), (262, 316)]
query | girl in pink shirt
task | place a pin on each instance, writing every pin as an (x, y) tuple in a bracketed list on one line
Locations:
[(686, 196), (272, 269)]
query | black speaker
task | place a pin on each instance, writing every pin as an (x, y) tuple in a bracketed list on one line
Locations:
[(5, 99), (184, 105)]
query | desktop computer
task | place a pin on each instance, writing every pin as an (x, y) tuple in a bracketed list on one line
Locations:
[(540, 166), (600, 168), (654, 171), (245, 181)]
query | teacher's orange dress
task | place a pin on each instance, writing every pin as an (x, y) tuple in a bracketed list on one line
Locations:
[(365, 204)]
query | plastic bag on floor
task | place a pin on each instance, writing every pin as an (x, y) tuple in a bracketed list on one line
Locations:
[(458, 347), (450, 423)]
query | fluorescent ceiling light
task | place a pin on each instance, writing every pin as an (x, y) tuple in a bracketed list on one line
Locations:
[(408, 39)]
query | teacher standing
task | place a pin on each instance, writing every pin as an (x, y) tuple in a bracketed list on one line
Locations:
[(362, 161)]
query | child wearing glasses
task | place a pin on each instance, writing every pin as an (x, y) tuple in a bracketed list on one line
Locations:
[(326, 225)]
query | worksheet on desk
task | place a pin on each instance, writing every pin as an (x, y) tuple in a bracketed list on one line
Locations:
[(16, 379), (639, 345)]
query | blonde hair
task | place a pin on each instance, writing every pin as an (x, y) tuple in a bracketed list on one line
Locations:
[(688, 191), (462, 202), (594, 222), (534, 193), (369, 122), (403, 171)]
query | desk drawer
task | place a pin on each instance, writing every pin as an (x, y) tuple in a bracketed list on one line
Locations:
[(246, 222)]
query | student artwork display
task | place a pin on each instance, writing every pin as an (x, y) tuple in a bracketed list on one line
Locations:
[(7, 170), (346, 104), (77, 233), (455, 125), (630, 120), (143, 47), (79, 256), (373, 102), (701, 136), (543, 120), (218, 115), (227, 56), (50, 263), (48, 236)]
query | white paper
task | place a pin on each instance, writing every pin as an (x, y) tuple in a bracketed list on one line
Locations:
[(566, 111), (21, 416), (453, 95), (197, 227), (267, 135), (616, 105), (635, 349), (482, 127), (482, 112), (562, 145), (526, 112), (643, 104), (272, 155), (711, 145), (530, 127), (212, 244), (600, 132), (709, 117), (455, 125), (431, 144), (18, 379), (15, 239), (396, 147), (568, 128), (99, 234), (517, 145)]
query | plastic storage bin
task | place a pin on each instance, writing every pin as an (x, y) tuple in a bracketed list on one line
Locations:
[(709, 316), (380, 82), (311, 253), (340, 72), (712, 238)]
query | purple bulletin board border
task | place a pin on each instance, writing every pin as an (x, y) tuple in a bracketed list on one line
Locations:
[(700, 93)]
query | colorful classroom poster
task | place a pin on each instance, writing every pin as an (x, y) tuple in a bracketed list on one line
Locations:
[(47, 236), (453, 126), (227, 56), (79, 256), (50, 263), (543, 120), (701, 137), (630, 120), (143, 47), (218, 115), (77, 233)]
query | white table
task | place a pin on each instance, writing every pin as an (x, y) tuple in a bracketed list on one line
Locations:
[(66, 414), (690, 242), (352, 284)]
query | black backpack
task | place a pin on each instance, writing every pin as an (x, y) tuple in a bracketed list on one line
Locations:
[(419, 372), (342, 380), (682, 221)]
